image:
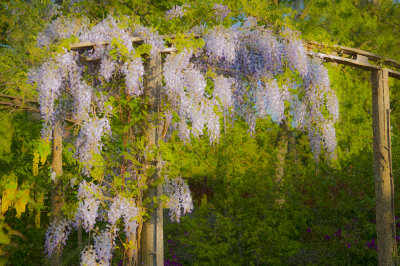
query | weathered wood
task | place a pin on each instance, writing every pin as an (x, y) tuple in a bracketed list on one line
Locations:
[(57, 199), (152, 240), (353, 52), (137, 40), (18, 98), (394, 74), (19, 103), (385, 220), (346, 61)]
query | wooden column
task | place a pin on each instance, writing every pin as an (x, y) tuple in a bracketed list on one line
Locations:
[(152, 240), (57, 199), (385, 220)]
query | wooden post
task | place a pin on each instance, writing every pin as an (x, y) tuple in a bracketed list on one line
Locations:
[(151, 251), (385, 220), (57, 199)]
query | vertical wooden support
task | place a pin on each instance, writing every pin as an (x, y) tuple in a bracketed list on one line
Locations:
[(152, 239), (57, 199), (385, 219)]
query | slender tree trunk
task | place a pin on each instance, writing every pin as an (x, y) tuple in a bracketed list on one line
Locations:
[(384, 193), (80, 237), (282, 145), (57, 199), (152, 241)]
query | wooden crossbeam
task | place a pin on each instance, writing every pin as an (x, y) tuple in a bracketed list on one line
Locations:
[(19, 103), (365, 65), (136, 40), (358, 58), (353, 52)]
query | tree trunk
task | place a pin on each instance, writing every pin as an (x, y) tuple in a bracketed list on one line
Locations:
[(282, 146), (152, 241), (384, 193), (57, 199)]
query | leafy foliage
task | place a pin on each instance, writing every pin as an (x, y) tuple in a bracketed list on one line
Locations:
[(318, 215)]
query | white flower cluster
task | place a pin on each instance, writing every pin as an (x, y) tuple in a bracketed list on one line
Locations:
[(103, 244), (221, 43), (123, 207), (107, 68), (88, 195), (270, 100), (180, 200), (133, 71), (49, 81), (89, 258), (61, 28), (223, 91), (89, 142), (185, 88), (107, 30)]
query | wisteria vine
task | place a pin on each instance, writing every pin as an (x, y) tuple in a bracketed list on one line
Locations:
[(247, 65)]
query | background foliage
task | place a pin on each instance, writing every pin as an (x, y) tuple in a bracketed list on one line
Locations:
[(327, 217)]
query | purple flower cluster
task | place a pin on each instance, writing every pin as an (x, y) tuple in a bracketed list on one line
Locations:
[(255, 57), (372, 244), (294, 51), (176, 12), (172, 253), (49, 81), (245, 66), (221, 11), (56, 235)]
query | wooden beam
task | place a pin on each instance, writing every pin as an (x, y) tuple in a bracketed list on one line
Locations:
[(346, 61), (353, 52), (18, 98), (361, 64), (394, 74), (137, 40), (384, 188)]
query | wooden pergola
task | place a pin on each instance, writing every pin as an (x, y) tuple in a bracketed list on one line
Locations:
[(381, 69), (384, 180)]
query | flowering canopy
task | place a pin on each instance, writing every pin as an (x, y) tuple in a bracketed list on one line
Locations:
[(246, 71)]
